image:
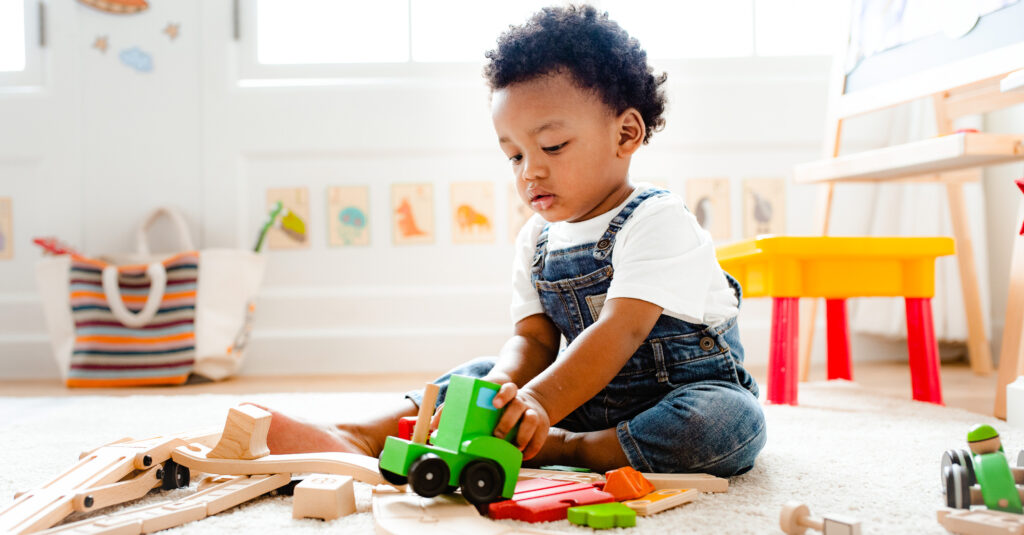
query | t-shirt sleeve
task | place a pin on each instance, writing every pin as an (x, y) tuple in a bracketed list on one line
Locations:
[(525, 300), (662, 256)]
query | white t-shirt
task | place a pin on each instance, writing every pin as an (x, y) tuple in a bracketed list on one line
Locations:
[(661, 255)]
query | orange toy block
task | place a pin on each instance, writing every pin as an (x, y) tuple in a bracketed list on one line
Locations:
[(626, 484), (661, 500), (324, 496)]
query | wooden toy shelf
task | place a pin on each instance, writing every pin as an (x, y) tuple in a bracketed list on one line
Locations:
[(923, 160)]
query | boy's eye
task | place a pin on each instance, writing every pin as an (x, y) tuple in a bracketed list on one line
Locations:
[(555, 148), (516, 158)]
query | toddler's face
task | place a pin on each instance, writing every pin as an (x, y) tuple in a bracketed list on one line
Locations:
[(562, 142)]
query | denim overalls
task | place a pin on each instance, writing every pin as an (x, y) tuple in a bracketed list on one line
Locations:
[(683, 402)]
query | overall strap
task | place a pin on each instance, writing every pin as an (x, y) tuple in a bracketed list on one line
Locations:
[(541, 250), (607, 241)]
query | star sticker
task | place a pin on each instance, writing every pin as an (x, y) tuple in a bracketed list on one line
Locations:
[(172, 30), (100, 44), (1020, 184)]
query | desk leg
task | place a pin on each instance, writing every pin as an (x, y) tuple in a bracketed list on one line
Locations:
[(838, 340), (1011, 360), (924, 352), (782, 356)]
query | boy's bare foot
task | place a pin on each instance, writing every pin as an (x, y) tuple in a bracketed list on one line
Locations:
[(291, 435)]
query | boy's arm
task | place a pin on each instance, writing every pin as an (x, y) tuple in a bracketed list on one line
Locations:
[(531, 349), (590, 362)]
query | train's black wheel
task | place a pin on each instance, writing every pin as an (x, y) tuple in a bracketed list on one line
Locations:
[(482, 481), (429, 475)]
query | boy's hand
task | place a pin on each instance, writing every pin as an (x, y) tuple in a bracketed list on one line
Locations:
[(523, 409)]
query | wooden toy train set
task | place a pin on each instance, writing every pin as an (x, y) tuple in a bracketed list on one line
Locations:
[(416, 477), (238, 467)]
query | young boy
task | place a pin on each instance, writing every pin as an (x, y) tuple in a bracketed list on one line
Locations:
[(652, 373)]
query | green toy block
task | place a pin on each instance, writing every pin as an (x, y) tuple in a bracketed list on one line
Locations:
[(563, 468), (603, 515)]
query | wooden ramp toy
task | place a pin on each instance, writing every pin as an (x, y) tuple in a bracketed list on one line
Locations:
[(360, 467), (99, 480), (981, 522), (210, 501)]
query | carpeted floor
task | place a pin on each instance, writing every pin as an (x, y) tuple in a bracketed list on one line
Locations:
[(842, 451)]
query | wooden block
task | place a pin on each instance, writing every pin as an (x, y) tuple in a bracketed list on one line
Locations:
[(559, 475), (626, 484), (701, 482), (544, 500), (602, 515), (324, 496), (245, 434), (661, 500)]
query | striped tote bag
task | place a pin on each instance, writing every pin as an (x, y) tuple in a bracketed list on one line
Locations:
[(138, 319), (112, 348)]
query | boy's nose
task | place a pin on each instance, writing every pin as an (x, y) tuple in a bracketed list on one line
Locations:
[(532, 170)]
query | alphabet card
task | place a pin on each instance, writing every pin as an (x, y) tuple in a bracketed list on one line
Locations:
[(291, 230), (348, 215), (764, 206), (6, 229), (518, 213), (472, 205), (708, 199), (412, 213)]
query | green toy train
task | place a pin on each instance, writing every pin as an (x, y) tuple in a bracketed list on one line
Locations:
[(463, 452)]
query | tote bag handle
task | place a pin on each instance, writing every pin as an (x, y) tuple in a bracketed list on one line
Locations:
[(142, 234), (157, 285)]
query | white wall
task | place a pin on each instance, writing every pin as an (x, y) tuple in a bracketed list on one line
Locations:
[(99, 145)]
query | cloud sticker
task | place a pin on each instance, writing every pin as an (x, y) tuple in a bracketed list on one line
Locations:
[(137, 59)]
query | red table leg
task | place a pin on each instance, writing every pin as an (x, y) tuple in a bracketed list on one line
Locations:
[(838, 340), (924, 353), (782, 356)]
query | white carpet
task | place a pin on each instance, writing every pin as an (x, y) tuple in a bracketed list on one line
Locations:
[(842, 451)]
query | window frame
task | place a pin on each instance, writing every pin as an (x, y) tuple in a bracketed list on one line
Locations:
[(252, 73)]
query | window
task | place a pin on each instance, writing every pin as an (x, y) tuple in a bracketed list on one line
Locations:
[(12, 35), (19, 48), (327, 38)]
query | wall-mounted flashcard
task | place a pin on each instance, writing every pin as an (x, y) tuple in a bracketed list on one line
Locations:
[(348, 210), (518, 213), (764, 207), (291, 230), (412, 213), (708, 199), (472, 205), (6, 230)]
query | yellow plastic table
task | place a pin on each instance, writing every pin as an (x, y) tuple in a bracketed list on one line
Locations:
[(787, 268)]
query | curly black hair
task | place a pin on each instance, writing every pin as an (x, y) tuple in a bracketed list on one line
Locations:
[(596, 51)]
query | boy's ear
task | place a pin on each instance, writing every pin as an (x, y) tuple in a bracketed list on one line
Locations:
[(631, 132)]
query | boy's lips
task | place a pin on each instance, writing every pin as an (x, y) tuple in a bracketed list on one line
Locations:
[(541, 200)]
